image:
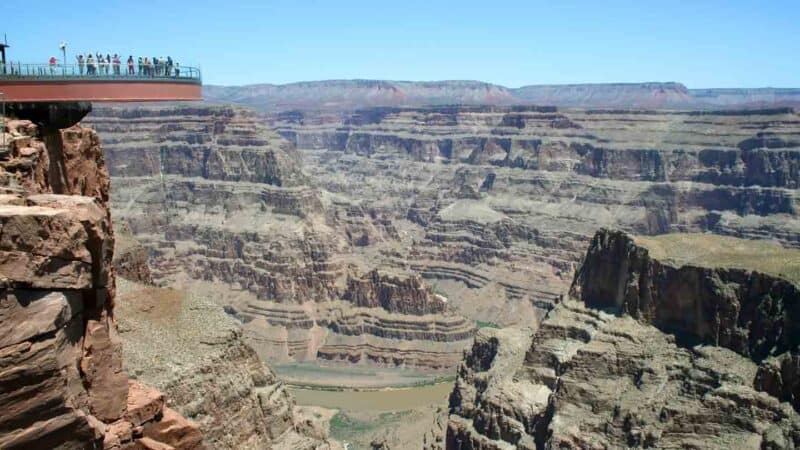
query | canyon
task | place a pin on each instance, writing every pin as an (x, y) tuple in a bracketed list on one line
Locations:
[(68, 350), (385, 245), (389, 236), (221, 201)]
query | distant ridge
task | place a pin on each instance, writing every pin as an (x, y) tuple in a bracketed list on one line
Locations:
[(348, 95)]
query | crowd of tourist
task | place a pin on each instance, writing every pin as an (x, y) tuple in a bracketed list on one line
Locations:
[(99, 65)]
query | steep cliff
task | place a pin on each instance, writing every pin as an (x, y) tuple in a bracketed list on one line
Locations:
[(499, 202), (62, 383), (602, 371), (394, 293), (685, 292), (215, 379), (277, 250)]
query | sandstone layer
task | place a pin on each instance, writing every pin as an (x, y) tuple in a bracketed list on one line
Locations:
[(607, 369), (62, 383)]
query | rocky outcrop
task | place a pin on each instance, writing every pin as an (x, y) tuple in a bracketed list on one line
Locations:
[(62, 383), (130, 256), (749, 312), (216, 379), (780, 377), (601, 373), (397, 294)]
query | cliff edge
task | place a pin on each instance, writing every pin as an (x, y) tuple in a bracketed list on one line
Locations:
[(62, 383), (669, 342)]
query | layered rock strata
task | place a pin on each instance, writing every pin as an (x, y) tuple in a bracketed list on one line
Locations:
[(484, 202), (752, 313), (216, 379), (595, 376), (405, 295), (62, 383), (500, 202), (347, 95), (215, 197)]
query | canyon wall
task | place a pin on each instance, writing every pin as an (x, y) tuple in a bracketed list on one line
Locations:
[(349, 95), (215, 378), (750, 312), (62, 383), (217, 198), (602, 372), (500, 202), (492, 206)]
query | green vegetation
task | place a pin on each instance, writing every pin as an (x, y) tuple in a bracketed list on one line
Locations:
[(482, 324), (707, 250)]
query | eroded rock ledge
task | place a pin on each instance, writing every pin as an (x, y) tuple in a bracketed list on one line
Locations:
[(394, 293), (602, 370), (215, 379), (62, 384)]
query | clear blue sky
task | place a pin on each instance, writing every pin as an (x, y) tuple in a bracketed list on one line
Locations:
[(732, 43)]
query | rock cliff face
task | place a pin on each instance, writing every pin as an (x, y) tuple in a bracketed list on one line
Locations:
[(500, 202), (216, 379), (216, 197), (394, 294), (602, 372), (749, 312), (62, 383)]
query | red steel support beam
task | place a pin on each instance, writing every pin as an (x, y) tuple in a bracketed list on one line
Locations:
[(99, 91)]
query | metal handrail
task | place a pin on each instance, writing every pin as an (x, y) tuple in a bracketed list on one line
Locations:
[(106, 71)]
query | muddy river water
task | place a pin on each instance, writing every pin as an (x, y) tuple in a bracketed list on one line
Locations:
[(379, 400)]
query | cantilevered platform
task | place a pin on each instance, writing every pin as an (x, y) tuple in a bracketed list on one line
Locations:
[(37, 83)]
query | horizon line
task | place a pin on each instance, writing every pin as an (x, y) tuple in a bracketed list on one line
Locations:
[(489, 83)]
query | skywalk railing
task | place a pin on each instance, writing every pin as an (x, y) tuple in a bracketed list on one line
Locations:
[(101, 72)]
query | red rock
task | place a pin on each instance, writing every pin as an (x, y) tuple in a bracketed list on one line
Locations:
[(144, 403), (101, 365), (62, 384), (35, 313), (151, 444), (118, 433), (176, 431)]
